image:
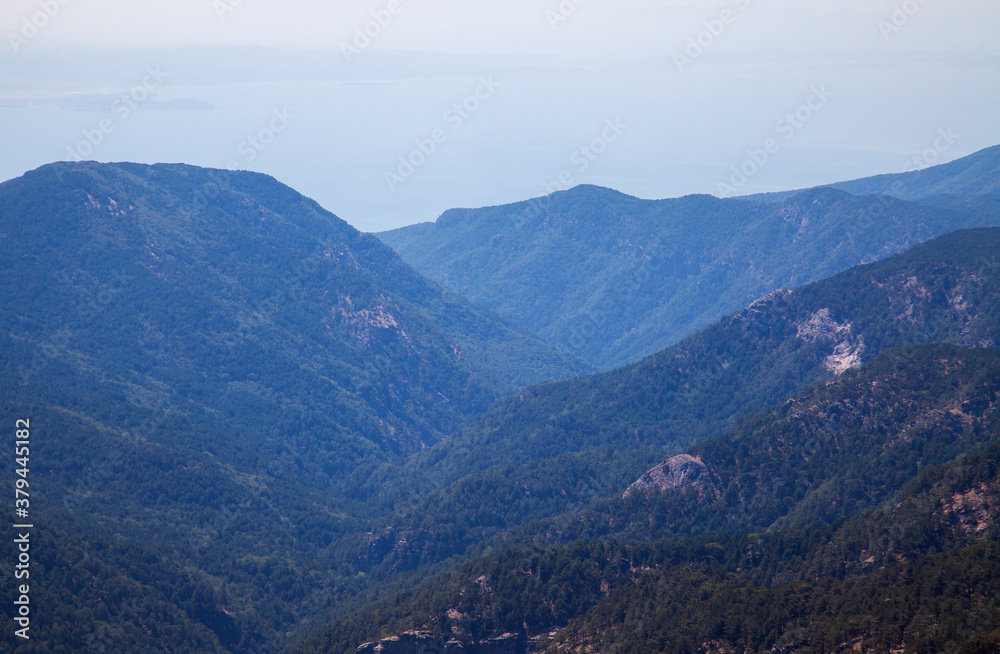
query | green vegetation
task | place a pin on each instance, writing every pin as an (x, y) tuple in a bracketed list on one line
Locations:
[(826, 456), (559, 447), (250, 422), (207, 356), (904, 543), (946, 602), (614, 278), (249, 302)]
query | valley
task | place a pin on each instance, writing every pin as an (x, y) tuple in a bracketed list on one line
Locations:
[(257, 429)]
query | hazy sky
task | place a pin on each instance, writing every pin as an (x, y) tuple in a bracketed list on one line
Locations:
[(636, 27), (467, 103)]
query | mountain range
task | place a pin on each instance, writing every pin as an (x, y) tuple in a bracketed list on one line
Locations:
[(556, 448), (246, 299), (614, 278), (256, 429)]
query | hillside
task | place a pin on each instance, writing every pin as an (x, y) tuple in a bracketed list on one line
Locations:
[(825, 456), (605, 597), (614, 278), (942, 602), (250, 302), (558, 447), (204, 357), (249, 419), (889, 487)]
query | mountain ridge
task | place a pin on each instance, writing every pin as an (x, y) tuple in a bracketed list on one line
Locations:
[(533, 459), (615, 278), (974, 174), (250, 419)]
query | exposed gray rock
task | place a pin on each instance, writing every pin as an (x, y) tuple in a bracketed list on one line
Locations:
[(424, 642), (410, 642), (677, 472), (847, 349), (505, 644)]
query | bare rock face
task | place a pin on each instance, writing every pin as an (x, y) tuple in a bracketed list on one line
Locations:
[(677, 472), (847, 349)]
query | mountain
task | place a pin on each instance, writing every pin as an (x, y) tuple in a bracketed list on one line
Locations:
[(976, 174), (204, 356), (863, 512), (249, 420), (242, 299), (559, 447), (614, 278)]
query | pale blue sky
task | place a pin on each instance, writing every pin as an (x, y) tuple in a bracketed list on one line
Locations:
[(229, 75)]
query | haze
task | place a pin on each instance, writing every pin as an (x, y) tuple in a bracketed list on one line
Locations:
[(473, 103)]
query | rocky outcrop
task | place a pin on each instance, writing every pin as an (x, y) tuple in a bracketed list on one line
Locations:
[(505, 644), (410, 642), (424, 642), (847, 350), (678, 471), (822, 326), (975, 510)]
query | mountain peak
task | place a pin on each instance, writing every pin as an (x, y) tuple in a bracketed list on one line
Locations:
[(593, 191)]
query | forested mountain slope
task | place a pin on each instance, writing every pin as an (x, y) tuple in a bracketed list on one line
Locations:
[(230, 294), (615, 278), (902, 458), (560, 446), (203, 357), (238, 404)]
